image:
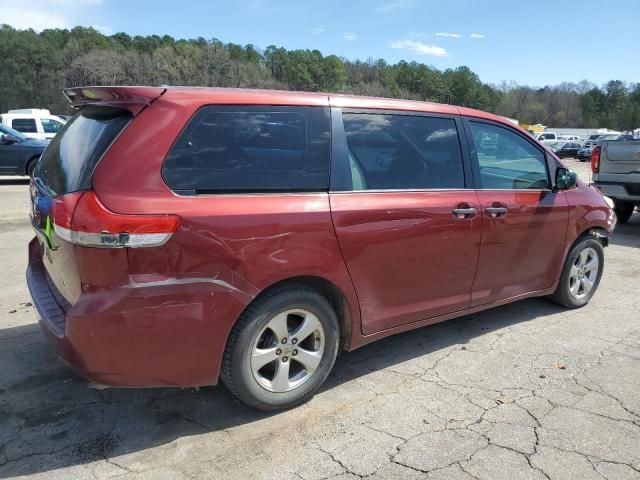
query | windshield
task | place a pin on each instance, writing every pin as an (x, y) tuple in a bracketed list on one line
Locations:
[(10, 131), (68, 162)]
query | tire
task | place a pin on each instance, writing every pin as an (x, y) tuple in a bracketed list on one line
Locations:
[(283, 381), (624, 210), (566, 293), (31, 165)]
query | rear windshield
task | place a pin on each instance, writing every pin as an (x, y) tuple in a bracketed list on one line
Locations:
[(68, 162)]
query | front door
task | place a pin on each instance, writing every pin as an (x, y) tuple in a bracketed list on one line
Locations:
[(408, 227), (9, 154), (524, 222)]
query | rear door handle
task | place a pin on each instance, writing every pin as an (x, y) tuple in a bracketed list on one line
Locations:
[(462, 213), (495, 212)]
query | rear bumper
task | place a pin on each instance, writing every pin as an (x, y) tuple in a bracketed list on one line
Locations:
[(164, 334), (622, 191), (48, 305)]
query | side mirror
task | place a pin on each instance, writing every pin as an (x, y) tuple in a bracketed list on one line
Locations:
[(7, 139), (565, 178)]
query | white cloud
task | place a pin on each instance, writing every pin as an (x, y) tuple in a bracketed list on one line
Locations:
[(24, 18), (42, 14), (419, 48), (317, 30), (448, 35), (418, 34), (349, 36), (476, 35)]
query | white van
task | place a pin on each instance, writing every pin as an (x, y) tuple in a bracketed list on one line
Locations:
[(33, 122), (569, 138)]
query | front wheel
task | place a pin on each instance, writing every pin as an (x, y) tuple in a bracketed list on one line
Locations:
[(581, 274), (282, 348)]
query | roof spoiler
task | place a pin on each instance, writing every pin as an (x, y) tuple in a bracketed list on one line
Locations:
[(134, 99)]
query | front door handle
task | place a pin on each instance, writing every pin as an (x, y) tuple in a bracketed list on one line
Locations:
[(495, 212), (462, 213)]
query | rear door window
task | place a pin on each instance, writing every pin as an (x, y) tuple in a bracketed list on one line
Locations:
[(403, 152), (26, 125), (506, 160), (70, 158), (254, 149)]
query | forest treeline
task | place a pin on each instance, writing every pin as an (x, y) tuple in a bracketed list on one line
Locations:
[(35, 67)]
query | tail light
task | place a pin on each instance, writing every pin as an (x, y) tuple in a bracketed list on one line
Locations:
[(80, 218), (595, 160)]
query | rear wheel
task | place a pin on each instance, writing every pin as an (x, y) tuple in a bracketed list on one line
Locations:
[(624, 210), (31, 165), (282, 348), (581, 274)]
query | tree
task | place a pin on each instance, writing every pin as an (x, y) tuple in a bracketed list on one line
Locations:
[(37, 66)]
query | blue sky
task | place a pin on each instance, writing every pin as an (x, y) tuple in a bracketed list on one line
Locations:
[(536, 43)]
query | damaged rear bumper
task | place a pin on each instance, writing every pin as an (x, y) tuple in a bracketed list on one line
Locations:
[(151, 331)]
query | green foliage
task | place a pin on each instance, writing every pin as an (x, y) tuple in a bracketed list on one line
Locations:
[(37, 66)]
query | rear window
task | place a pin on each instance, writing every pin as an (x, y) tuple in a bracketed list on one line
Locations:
[(26, 125), (227, 149), (68, 162)]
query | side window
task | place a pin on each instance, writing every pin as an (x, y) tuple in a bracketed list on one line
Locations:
[(251, 149), (395, 152), (26, 125), (50, 126), (506, 160)]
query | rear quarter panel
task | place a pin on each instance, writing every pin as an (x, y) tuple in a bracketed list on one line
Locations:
[(188, 294)]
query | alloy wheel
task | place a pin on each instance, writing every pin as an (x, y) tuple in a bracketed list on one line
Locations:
[(287, 351), (583, 273)]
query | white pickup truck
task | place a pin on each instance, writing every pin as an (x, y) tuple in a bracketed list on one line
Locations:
[(33, 122), (616, 172)]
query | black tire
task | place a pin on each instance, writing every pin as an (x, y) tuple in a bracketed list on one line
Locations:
[(236, 370), (563, 295), (31, 165), (624, 210)]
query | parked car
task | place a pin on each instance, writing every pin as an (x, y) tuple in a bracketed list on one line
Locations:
[(584, 154), (568, 150), (548, 137), (553, 146), (625, 136), (33, 122), (252, 235), (569, 138), (616, 171), (598, 139), (18, 153)]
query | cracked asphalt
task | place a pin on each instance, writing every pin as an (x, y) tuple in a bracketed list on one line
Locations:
[(525, 391)]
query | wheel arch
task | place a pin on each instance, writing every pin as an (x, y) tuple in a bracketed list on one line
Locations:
[(30, 160), (599, 233), (327, 289)]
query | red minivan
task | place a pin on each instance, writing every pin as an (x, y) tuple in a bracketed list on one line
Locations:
[(190, 234)]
